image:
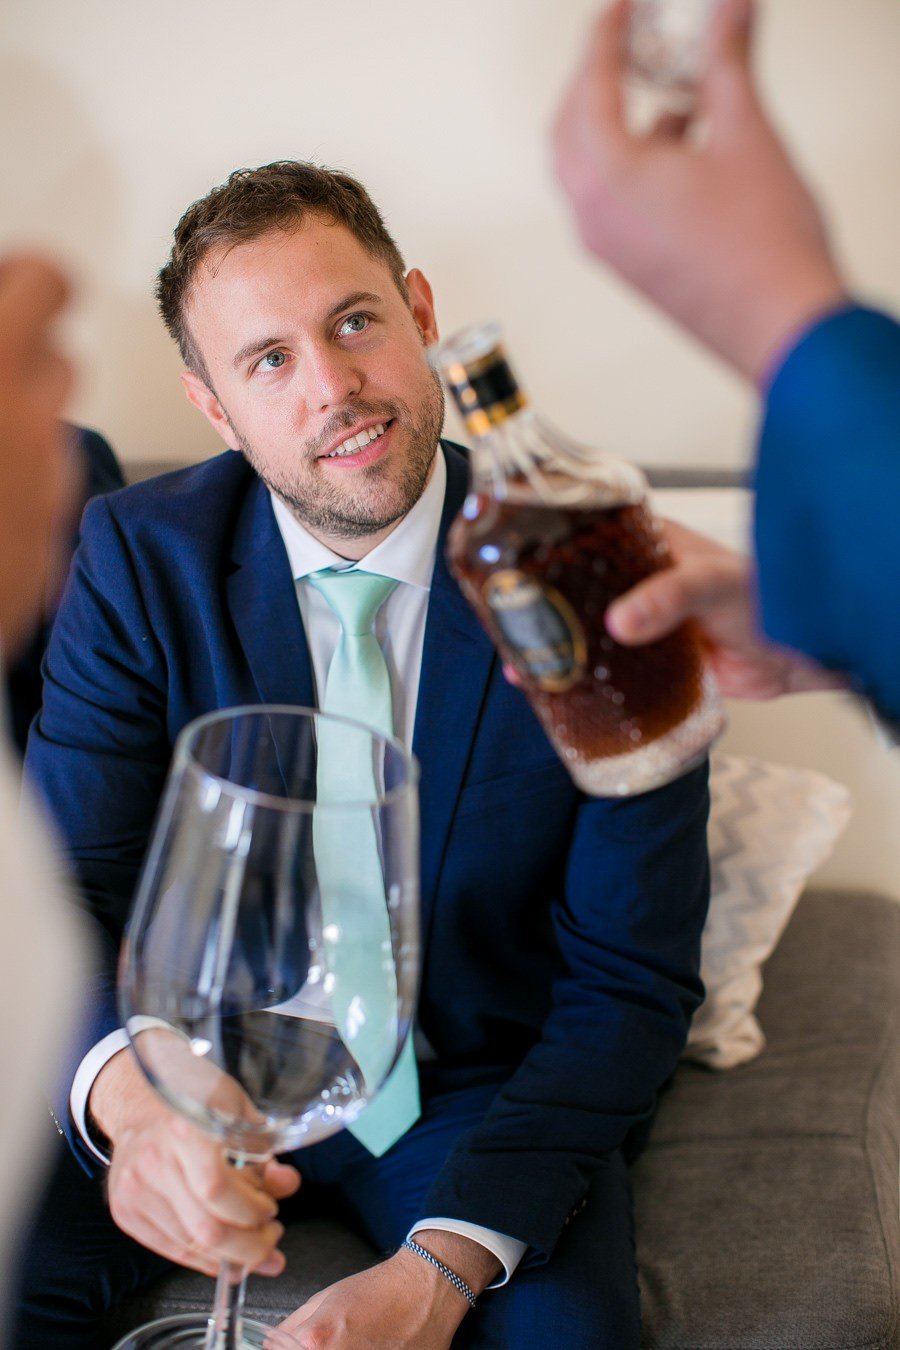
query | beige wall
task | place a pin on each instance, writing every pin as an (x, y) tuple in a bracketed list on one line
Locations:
[(114, 114)]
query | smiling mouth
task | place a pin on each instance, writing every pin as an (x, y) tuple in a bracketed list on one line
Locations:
[(353, 445)]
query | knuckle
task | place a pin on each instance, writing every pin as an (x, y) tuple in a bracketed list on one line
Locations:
[(148, 1159), (184, 1255), (207, 1232), (210, 1181), (316, 1338), (258, 1248)]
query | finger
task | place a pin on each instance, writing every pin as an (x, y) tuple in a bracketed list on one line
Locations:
[(151, 1219), (246, 1244), (228, 1194), (727, 93), (607, 65), (280, 1180), (651, 609), (160, 1227), (161, 1241), (150, 1191), (590, 124)]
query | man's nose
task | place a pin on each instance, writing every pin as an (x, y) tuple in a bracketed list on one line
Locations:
[(334, 378)]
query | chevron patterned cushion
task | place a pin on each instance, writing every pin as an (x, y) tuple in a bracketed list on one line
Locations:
[(770, 827)]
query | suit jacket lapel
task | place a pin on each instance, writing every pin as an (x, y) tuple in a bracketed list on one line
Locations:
[(457, 660), (263, 604)]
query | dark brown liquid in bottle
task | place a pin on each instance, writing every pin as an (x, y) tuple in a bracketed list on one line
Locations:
[(617, 698)]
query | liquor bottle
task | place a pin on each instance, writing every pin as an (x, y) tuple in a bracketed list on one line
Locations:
[(549, 535)]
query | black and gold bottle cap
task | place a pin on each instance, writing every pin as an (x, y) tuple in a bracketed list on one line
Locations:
[(480, 378)]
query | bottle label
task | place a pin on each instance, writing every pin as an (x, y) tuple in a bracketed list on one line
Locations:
[(540, 626)]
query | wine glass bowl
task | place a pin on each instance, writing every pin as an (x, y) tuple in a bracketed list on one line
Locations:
[(268, 981)]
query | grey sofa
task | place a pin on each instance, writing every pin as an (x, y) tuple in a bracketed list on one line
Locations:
[(767, 1204)]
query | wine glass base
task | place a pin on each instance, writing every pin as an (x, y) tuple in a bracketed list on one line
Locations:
[(188, 1331)]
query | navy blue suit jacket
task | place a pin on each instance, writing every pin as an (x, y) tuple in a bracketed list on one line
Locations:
[(560, 933), (828, 501)]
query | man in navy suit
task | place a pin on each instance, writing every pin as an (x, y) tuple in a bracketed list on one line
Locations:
[(726, 238), (560, 933)]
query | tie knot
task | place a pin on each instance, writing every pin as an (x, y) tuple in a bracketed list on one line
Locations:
[(355, 597)]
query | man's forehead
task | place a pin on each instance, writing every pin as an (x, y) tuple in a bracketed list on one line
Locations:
[(315, 249), (313, 263)]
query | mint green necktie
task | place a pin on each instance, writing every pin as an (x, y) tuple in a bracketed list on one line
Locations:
[(351, 881)]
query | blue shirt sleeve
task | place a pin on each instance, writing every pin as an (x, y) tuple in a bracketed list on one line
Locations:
[(828, 501)]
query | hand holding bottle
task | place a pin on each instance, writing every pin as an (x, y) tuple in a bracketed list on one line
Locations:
[(549, 536), (714, 587)]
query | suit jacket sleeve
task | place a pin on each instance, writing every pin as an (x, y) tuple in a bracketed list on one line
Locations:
[(828, 489), (628, 929), (99, 751)]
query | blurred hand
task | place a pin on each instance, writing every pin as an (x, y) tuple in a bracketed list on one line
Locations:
[(714, 587), (172, 1188), (36, 476), (717, 229)]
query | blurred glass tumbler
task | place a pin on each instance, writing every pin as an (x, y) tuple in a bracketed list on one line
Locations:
[(549, 535), (667, 43)]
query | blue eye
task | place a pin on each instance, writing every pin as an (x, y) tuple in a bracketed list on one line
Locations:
[(273, 360), (356, 323)]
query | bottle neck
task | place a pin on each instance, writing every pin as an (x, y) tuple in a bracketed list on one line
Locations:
[(521, 458), (496, 456)]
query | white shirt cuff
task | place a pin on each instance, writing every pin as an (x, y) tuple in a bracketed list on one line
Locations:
[(84, 1079), (508, 1251), (88, 1071)]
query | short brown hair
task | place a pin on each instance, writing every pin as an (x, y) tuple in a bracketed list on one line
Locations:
[(252, 202)]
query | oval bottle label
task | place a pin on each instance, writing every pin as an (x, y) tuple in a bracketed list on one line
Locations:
[(540, 626)]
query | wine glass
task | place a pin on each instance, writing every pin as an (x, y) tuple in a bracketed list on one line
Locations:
[(268, 974)]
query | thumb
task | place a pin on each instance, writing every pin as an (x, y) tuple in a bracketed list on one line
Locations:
[(650, 610), (280, 1180)]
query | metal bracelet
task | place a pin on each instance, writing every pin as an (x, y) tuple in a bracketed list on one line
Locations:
[(448, 1274)]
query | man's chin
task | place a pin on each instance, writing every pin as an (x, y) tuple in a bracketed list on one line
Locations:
[(339, 524)]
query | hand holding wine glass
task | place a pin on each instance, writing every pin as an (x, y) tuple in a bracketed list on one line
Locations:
[(268, 977), (172, 1188)]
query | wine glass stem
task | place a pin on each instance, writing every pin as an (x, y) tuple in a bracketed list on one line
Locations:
[(226, 1323)]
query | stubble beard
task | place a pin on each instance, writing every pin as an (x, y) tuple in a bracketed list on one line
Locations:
[(323, 506)]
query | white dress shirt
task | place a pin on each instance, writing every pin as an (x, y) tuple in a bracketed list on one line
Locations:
[(407, 555)]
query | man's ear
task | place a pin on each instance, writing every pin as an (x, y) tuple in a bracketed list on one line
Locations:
[(203, 398), (421, 302)]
